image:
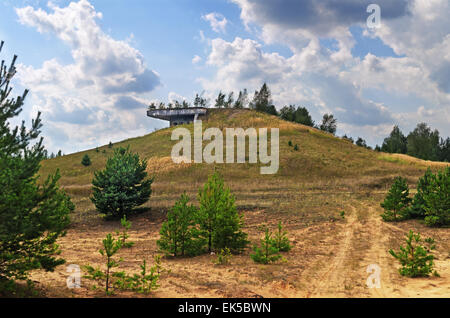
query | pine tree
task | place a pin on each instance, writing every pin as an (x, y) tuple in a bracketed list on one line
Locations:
[(437, 199), (303, 117), (218, 217), (281, 241), (179, 234), (123, 237), (267, 252), (122, 185), (241, 101), (417, 209), (110, 247), (32, 216), (415, 258), (262, 101), (199, 101), (230, 100), (220, 101), (86, 161), (396, 203)]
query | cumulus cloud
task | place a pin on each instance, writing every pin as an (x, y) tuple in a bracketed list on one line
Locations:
[(100, 91), (309, 77), (334, 80), (217, 21)]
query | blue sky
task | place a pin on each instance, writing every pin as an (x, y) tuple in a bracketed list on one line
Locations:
[(93, 66)]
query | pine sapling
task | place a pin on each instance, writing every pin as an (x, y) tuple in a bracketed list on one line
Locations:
[(281, 241), (416, 259), (86, 161), (396, 203), (223, 257), (267, 252), (110, 248), (143, 283), (126, 225)]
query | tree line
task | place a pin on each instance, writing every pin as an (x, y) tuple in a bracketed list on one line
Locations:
[(422, 142)]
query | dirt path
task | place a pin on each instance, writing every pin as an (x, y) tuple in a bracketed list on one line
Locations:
[(332, 280), (392, 284), (365, 241)]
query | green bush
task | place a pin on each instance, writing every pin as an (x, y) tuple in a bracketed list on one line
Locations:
[(396, 203), (86, 161), (180, 234), (267, 252), (122, 185), (415, 259), (219, 220), (437, 199)]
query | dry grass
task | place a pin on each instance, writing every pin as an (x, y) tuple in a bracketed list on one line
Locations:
[(326, 176)]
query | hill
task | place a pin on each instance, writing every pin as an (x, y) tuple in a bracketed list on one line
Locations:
[(327, 175)]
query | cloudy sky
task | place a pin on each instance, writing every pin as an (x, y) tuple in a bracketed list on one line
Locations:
[(93, 66)]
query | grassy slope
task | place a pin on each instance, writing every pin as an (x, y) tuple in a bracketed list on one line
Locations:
[(325, 163), (326, 176)]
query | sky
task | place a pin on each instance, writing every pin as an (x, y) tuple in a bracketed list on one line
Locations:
[(93, 66)]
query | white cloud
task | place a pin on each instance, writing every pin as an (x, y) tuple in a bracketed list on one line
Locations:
[(217, 21), (176, 97), (196, 59), (98, 97), (334, 80)]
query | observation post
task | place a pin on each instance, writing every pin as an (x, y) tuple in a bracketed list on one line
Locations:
[(178, 116)]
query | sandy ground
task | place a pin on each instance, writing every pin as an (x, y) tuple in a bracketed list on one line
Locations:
[(329, 259)]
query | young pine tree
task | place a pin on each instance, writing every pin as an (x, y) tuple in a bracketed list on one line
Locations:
[(267, 252), (417, 209), (396, 203), (280, 239), (218, 216), (179, 234), (86, 161), (437, 199), (416, 259), (110, 247), (122, 185), (126, 225), (32, 216)]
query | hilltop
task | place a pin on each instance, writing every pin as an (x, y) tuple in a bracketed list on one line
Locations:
[(327, 175)]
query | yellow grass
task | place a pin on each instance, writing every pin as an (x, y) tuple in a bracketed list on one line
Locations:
[(325, 176)]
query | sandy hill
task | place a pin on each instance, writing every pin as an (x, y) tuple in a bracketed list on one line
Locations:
[(327, 175)]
